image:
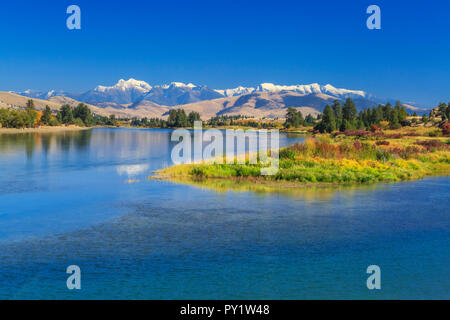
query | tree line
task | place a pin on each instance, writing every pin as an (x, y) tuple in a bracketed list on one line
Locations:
[(295, 119), (29, 117), (347, 117), (177, 119)]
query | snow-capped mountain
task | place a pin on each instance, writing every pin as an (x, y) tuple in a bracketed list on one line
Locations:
[(178, 93), (123, 92), (313, 88), (137, 94), (236, 91), (44, 95)]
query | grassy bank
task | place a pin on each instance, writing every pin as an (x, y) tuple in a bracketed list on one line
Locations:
[(356, 157)]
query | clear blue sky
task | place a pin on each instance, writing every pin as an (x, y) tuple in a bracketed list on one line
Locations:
[(227, 43)]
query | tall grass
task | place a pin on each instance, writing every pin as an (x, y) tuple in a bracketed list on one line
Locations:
[(340, 161)]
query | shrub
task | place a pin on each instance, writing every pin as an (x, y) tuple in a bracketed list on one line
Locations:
[(446, 128), (78, 122), (288, 153)]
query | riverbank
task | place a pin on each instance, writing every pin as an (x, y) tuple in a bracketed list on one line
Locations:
[(43, 129), (332, 160)]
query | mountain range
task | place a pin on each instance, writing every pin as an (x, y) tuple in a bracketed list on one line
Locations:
[(138, 98)]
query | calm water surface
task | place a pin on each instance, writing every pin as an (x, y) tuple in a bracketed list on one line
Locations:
[(66, 198)]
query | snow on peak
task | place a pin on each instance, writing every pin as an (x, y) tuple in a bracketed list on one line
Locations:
[(181, 84), (126, 85), (313, 88), (236, 91), (177, 85)]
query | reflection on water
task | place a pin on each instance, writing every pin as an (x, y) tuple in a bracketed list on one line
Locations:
[(64, 200), (44, 142), (305, 191)]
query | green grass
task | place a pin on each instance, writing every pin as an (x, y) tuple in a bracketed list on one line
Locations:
[(337, 160)]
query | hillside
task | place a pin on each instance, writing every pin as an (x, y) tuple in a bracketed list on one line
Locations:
[(13, 101), (259, 105)]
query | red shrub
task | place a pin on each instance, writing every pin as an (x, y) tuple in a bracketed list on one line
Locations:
[(432, 144), (446, 128)]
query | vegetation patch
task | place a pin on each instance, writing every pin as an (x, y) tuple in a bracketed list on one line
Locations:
[(338, 160)]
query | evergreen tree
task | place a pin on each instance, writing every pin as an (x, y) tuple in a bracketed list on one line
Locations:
[(337, 113), (309, 120), (193, 116), (83, 112), (46, 116), (171, 122), (65, 114), (181, 118), (294, 118), (30, 105), (328, 120), (349, 111)]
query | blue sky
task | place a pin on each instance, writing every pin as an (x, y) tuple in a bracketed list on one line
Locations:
[(224, 44)]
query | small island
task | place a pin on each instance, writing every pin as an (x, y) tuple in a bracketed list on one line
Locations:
[(344, 148)]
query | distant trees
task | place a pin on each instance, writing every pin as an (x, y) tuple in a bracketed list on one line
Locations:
[(179, 119), (294, 118), (225, 120), (348, 118), (81, 115), (27, 118), (149, 123)]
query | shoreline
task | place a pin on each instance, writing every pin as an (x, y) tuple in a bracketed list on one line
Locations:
[(43, 129), (326, 163)]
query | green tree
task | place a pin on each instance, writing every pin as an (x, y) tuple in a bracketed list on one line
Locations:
[(30, 104), (182, 120), (171, 122), (328, 120), (65, 114), (309, 120), (337, 113), (46, 116), (293, 118), (83, 112), (30, 116), (349, 111), (193, 116)]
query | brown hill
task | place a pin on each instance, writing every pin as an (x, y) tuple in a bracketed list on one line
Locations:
[(259, 105), (13, 101)]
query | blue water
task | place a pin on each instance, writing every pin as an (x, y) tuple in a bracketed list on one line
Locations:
[(65, 199)]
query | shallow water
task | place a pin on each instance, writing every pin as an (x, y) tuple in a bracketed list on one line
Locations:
[(64, 199)]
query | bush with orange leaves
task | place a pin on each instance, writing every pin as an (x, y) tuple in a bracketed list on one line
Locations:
[(446, 128)]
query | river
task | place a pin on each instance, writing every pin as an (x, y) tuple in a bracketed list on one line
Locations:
[(84, 198)]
